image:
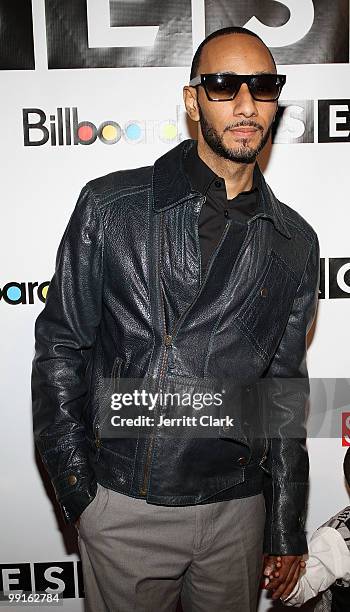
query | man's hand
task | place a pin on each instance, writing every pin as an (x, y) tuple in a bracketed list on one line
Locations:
[(283, 573)]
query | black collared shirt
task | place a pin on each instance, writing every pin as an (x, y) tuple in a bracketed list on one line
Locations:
[(217, 209)]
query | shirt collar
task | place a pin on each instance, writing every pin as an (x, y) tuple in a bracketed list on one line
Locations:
[(171, 186), (201, 176)]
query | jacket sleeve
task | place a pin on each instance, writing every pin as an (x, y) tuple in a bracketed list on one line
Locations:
[(65, 331), (287, 465)]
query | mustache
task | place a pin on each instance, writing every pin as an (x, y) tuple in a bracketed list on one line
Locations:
[(244, 124)]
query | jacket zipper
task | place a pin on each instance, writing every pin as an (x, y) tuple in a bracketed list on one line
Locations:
[(143, 490), (168, 338)]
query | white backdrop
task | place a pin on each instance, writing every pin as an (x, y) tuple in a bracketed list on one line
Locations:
[(40, 185)]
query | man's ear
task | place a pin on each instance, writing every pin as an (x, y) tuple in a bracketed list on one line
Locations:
[(190, 100)]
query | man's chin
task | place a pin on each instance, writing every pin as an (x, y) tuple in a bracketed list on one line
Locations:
[(242, 155), (245, 150)]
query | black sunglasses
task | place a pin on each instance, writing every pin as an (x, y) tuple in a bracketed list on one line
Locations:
[(223, 86)]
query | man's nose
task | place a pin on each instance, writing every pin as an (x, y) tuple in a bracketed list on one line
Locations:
[(244, 103)]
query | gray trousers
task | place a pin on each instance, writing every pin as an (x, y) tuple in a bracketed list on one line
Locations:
[(142, 557)]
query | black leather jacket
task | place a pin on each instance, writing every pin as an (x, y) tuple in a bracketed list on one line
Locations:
[(130, 233)]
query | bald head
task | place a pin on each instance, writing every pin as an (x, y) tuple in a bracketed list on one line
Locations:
[(246, 39)]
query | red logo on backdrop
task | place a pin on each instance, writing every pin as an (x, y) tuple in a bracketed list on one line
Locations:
[(345, 430)]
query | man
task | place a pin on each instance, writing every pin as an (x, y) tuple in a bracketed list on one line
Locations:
[(184, 271)]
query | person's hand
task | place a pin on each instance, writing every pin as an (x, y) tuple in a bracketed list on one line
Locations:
[(283, 573), (293, 582)]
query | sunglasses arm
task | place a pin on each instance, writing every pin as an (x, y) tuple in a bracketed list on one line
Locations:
[(196, 81)]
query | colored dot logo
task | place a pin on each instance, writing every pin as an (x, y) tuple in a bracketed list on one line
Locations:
[(66, 129), (85, 133), (44, 291), (149, 131), (168, 131), (133, 132), (109, 132), (14, 293)]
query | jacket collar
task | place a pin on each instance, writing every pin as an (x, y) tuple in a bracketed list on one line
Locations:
[(171, 186)]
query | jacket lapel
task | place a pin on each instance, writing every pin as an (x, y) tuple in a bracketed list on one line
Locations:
[(179, 208)]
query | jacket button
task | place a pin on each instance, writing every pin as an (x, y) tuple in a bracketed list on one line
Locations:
[(242, 461), (263, 292), (72, 479)]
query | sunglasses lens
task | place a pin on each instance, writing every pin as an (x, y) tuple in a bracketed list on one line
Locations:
[(265, 87), (221, 87)]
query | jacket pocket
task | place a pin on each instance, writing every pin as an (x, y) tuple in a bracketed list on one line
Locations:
[(111, 385), (264, 315)]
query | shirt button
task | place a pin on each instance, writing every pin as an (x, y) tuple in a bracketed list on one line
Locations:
[(226, 213), (263, 292), (218, 184), (72, 479), (242, 461)]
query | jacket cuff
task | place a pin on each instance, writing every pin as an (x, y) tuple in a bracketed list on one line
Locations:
[(74, 492), (285, 519)]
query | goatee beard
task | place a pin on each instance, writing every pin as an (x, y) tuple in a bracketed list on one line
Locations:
[(241, 154)]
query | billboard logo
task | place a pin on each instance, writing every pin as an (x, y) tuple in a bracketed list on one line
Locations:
[(296, 118), (295, 122), (289, 28), (55, 578), (345, 430), (339, 277), (64, 128), (116, 34), (335, 124), (14, 293), (335, 278)]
